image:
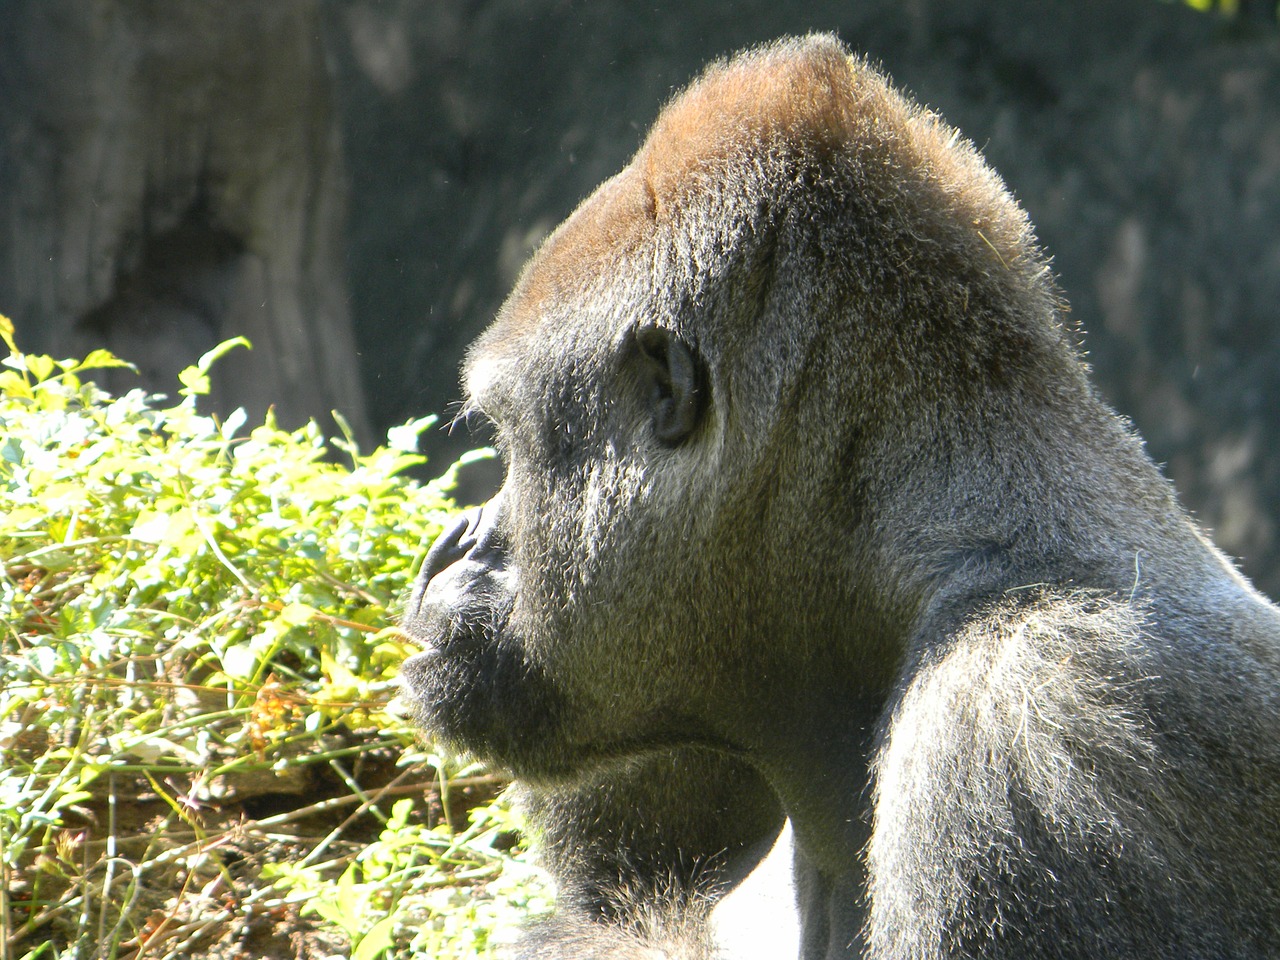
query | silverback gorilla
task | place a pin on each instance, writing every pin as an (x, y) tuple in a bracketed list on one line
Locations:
[(811, 511)]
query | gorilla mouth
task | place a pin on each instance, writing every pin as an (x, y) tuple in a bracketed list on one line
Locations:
[(476, 692), (483, 698), (414, 623), (448, 654)]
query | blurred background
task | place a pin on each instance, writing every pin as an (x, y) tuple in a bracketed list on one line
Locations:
[(354, 184)]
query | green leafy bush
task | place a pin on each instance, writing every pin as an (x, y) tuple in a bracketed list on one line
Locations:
[(200, 748)]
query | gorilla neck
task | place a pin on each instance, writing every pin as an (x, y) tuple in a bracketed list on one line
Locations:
[(1090, 513), (814, 743), (816, 739)]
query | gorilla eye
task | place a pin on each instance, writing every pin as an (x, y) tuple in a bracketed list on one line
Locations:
[(675, 381)]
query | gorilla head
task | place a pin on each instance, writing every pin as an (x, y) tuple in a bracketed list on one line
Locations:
[(803, 467), (709, 386)]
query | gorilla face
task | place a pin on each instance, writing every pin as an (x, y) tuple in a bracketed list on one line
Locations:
[(546, 614), (461, 610)]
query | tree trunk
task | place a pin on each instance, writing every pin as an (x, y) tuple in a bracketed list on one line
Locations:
[(173, 177)]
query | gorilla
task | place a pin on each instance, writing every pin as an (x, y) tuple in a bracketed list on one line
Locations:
[(810, 510)]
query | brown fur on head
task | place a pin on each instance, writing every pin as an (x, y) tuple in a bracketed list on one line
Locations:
[(778, 99), (781, 131), (807, 98)]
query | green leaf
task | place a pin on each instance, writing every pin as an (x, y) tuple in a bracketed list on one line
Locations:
[(101, 359), (400, 811), (405, 437), (75, 796), (376, 941), (40, 365), (7, 333), (159, 527), (194, 381), (208, 358), (11, 449), (234, 421), (296, 615), (14, 385), (240, 661), (330, 911)]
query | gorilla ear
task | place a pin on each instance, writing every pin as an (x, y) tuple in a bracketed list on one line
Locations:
[(676, 383)]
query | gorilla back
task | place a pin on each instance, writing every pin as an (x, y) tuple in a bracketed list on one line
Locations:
[(804, 468)]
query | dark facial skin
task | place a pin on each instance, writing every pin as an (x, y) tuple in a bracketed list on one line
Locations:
[(482, 683)]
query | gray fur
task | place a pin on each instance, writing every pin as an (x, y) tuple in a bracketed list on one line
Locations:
[(909, 568)]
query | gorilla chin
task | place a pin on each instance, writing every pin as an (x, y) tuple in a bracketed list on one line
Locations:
[(474, 686)]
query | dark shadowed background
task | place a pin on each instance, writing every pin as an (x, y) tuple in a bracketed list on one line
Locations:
[(354, 184)]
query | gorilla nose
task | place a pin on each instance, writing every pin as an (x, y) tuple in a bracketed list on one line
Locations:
[(451, 546), (468, 560), (476, 534)]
